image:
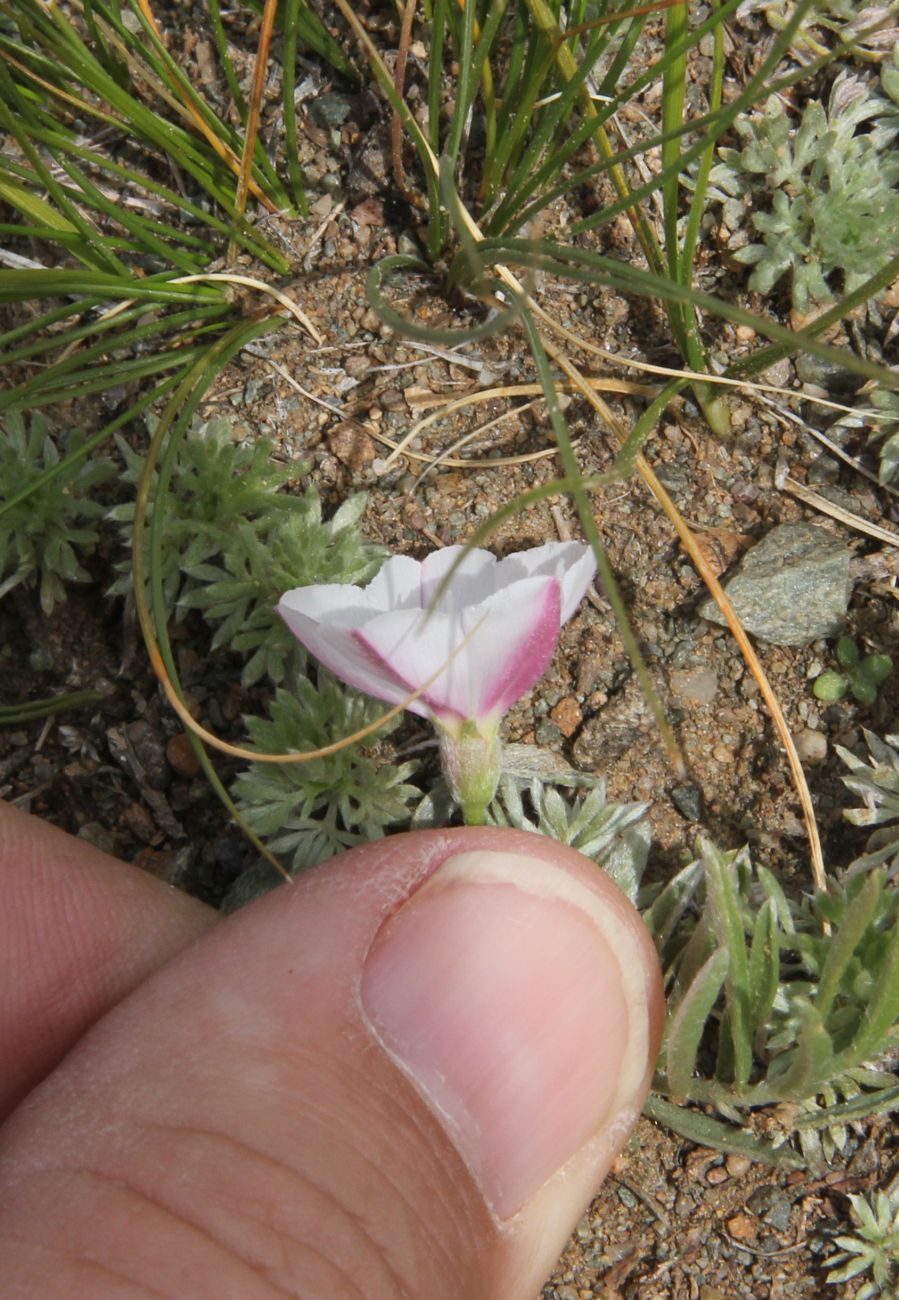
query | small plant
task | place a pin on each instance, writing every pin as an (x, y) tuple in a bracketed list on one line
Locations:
[(866, 26), (615, 836), (873, 1248), (768, 1007), (42, 538), (307, 812), (862, 676), (878, 784), (830, 189), (887, 404), (233, 541)]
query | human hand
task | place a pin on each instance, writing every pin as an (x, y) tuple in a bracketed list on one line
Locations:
[(363, 1085)]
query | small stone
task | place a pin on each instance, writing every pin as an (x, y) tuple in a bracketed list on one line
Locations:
[(772, 1205), (827, 374), (717, 1175), (329, 110), (547, 733), (349, 442), (737, 1165), (811, 746), (779, 374), (742, 1227), (792, 588), (687, 799), (696, 685), (370, 212), (392, 399), (721, 754), (181, 757), (567, 716), (97, 834)]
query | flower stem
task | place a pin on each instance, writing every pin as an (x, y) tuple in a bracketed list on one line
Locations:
[(471, 762)]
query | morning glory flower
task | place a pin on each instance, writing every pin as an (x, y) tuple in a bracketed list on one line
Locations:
[(391, 637)]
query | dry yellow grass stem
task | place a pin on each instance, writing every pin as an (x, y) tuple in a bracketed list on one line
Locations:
[(644, 469), (691, 546), (250, 282), (252, 127), (507, 390), (817, 502), (224, 151)]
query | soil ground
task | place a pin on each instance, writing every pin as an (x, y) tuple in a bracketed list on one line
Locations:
[(673, 1220)]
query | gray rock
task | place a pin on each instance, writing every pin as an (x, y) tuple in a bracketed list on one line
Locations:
[(826, 374), (687, 799), (792, 588), (329, 110), (697, 685)]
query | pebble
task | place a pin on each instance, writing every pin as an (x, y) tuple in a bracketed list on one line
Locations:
[(811, 746), (567, 716), (698, 685), (349, 442), (772, 1205), (737, 1165), (791, 588), (717, 1175), (829, 375), (687, 799), (742, 1227), (329, 110), (181, 757)]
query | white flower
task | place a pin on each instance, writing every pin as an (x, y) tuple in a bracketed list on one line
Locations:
[(390, 637), (494, 628)]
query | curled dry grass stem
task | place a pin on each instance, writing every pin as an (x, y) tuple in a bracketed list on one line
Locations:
[(250, 282), (178, 404), (470, 233), (694, 551), (489, 394)]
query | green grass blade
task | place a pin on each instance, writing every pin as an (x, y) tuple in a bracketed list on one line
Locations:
[(764, 964), (32, 710), (294, 170), (221, 45), (727, 922), (687, 1023), (708, 1132), (845, 941)]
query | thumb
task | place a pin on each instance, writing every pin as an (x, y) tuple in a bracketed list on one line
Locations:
[(403, 1076), (519, 992)]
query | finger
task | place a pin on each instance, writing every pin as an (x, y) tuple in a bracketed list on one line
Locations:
[(402, 1076), (78, 930)]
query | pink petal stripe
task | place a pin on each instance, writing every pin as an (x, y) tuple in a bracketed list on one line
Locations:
[(521, 649)]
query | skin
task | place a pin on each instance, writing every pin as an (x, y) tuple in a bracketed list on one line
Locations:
[(257, 1106)]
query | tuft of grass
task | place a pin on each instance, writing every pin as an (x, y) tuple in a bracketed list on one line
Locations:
[(877, 782), (616, 836)]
